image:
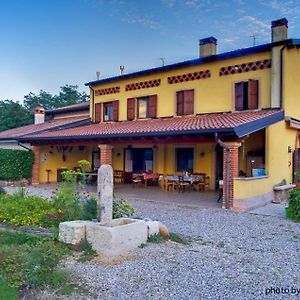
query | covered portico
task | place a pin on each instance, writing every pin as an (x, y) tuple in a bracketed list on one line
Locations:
[(215, 140)]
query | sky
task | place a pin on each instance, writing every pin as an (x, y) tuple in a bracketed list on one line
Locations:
[(45, 44)]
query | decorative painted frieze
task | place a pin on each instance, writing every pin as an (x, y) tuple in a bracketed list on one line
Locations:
[(246, 67), (142, 85), (189, 76), (107, 91)]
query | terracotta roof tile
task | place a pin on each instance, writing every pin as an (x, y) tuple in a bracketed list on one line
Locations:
[(199, 123), (32, 128)]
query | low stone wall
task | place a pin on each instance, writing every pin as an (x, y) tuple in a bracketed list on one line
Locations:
[(21, 182)]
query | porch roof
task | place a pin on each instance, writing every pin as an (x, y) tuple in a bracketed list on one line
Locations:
[(238, 124), (16, 133)]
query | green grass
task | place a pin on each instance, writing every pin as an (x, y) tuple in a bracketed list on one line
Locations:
[(7, 292), (31, 261)]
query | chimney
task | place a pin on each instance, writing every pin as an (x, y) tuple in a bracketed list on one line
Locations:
[(98, 75), (279, 33), (279, 30), (39, 115), (207, 47)]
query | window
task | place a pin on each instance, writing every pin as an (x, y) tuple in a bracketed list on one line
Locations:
[(246, 95), (185, 102), (185, 159), (143, 108), (108, 111)]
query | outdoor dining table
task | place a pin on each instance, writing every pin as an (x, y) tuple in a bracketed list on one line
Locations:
[(180, 178)]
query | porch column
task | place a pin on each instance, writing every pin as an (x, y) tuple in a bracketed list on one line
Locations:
[(36, 165), (105, 154), (230, 170)]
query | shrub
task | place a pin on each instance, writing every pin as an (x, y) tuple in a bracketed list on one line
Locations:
[(293, 209), (15, 164), (121, 209), (26, 210)]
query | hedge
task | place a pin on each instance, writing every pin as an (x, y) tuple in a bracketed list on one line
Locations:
[(15, 164)]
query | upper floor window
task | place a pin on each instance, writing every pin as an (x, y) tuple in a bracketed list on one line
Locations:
[(246, 95), (185, 102), (108, 111), (141, 108)]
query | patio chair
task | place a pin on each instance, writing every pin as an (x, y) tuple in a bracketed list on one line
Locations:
[(199, 181), (182, 185), (168, 184), (137, 180), (118, 176)]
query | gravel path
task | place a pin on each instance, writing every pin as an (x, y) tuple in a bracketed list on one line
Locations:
[(231, 256)]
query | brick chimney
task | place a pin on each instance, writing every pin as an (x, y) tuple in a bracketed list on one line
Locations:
[(279, 30), (207, 47), (39, 115)]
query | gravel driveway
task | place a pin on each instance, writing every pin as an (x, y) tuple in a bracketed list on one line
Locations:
[(231, 256)]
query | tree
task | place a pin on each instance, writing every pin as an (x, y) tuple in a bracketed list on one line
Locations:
[(68, 95), (13, 114), (44, 99)]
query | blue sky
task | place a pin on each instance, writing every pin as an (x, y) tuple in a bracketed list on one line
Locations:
[(46, 44)]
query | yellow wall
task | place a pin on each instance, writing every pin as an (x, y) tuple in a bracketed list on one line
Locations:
[(213, 94), (55, 161), (291, 79), (278, 163)]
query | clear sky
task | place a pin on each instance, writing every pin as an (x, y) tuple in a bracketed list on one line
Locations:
[(46, 44)]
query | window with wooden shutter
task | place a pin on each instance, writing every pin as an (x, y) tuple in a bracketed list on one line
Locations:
[(116, 110), (188, 102), (239, 96), (296, 165), (97, 112), (246, 95), (131, 109), (252, 94), (179, 103), (153, 106)]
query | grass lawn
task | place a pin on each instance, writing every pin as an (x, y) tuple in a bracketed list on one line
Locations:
[(7, 292), (29, 260)]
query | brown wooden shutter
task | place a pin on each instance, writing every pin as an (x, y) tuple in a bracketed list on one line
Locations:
[(188, 104), (115, 105), (239, 96), (98, 112), (179, 103), (153, 106), (131, 109), (252, 94)]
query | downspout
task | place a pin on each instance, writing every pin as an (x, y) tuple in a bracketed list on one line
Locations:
[(227, 183), (281, 76), (93, 101)]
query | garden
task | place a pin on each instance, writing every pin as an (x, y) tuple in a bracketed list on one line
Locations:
[(29, 261)]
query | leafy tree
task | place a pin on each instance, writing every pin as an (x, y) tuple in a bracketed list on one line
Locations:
[(44, 99), (13, 114), (68, 95)]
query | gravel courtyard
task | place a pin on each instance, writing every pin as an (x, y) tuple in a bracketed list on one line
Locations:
[(231, 256)]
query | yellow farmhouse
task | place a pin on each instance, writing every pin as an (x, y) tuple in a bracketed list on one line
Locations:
[(232, 116)]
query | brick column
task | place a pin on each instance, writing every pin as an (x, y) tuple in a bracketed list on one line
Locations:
[(36, 165), (231, 152), (105, 154)]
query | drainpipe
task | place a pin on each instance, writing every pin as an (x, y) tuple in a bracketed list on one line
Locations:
[(281, 76), (93, 100), (227, 182)]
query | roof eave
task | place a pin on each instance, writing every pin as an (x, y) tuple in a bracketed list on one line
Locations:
[(198, 61)]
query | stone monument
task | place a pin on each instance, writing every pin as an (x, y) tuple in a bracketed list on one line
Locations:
[(105, 194)]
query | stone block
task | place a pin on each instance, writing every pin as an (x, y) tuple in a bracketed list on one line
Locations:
[(153, 227), (72, 232), (117, 237)]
